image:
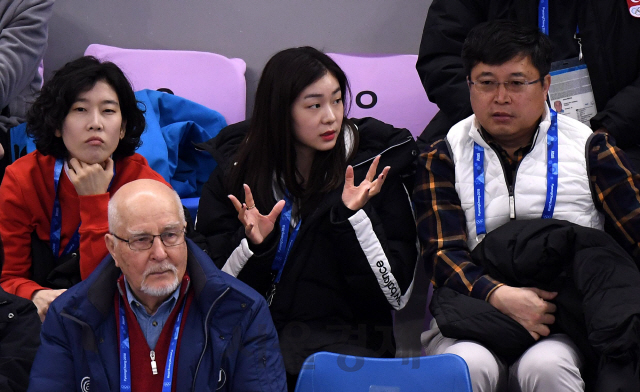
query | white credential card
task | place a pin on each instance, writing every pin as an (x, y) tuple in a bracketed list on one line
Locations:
[(570, 92)]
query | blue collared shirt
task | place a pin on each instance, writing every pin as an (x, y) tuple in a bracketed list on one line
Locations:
[(152, 325)]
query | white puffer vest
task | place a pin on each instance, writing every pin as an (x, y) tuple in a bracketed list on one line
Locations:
[(574, 202)]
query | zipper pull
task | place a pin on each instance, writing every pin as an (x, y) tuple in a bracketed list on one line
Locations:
[(154, 368), (272, 292), (576, 36), (512, 203), (512, 207)]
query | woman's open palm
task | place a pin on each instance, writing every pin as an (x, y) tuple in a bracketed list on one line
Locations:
[(256, 226), (355, 197)]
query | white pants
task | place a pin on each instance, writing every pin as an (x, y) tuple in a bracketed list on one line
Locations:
[(552, 364)]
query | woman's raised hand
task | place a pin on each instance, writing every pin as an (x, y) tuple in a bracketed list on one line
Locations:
[(355, 197), (90, 179), (256, 226)]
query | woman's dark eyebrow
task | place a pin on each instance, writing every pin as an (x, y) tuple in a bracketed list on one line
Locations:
[(106, 101), (320, 95)]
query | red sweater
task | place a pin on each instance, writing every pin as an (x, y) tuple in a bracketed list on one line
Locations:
[(26, 205), (142, 378)]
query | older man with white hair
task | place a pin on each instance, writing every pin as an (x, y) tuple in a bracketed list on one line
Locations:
[(157, 314)]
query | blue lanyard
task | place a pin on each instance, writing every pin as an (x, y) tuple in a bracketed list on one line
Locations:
[(543, 16), (286, 241), (56, 217), (125, 356), (478, 187), (552, 167), (552, 177)]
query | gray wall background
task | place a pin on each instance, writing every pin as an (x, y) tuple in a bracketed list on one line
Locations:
[(252, 30)]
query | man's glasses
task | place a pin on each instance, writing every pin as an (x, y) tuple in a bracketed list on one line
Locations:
[(145, 241), (512, 86)]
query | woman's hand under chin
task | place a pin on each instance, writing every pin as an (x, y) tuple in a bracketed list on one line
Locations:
[(355, 197), (256, 226), (90, 179)]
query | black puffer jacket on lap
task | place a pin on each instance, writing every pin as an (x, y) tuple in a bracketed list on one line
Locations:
[(598, 302)]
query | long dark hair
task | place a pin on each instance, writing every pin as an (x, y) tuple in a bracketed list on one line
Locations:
[(268, 148), (78, 76)]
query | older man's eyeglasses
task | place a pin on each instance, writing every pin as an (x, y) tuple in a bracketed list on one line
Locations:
[(512, 86), (145, 241)]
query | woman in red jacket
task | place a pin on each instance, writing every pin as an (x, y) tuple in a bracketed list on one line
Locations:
[(86, 125)]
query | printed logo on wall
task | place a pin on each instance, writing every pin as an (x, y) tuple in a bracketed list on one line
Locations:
[(372, 95)]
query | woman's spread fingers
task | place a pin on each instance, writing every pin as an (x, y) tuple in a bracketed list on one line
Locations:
[(348, 177), (236, 203), (248, 197), (371, 173), (277, 209)]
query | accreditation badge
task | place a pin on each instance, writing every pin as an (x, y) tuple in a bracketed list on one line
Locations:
[(634, 8), (570, 92)]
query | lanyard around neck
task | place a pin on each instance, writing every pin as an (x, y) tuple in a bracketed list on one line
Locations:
[(552, 177), (125, 352), (286, 240), (56, 217), (543, 16)]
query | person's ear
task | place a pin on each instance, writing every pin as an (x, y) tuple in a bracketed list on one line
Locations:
[(110, 241), (546, 83), (57, 133), (123, 129)]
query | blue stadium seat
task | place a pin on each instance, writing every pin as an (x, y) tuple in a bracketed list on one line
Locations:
[(325, 371)]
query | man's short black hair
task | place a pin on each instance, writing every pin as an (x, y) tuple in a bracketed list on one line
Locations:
[(498, 41)]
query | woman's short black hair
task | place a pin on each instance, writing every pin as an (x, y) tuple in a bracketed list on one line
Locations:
[(48, 112)]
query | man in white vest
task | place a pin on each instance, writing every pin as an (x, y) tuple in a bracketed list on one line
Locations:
[(515, 158)]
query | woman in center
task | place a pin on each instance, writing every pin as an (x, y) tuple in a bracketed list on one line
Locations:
[(310, 209)]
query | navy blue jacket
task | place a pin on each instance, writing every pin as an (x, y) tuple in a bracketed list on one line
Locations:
[(228, 343)]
